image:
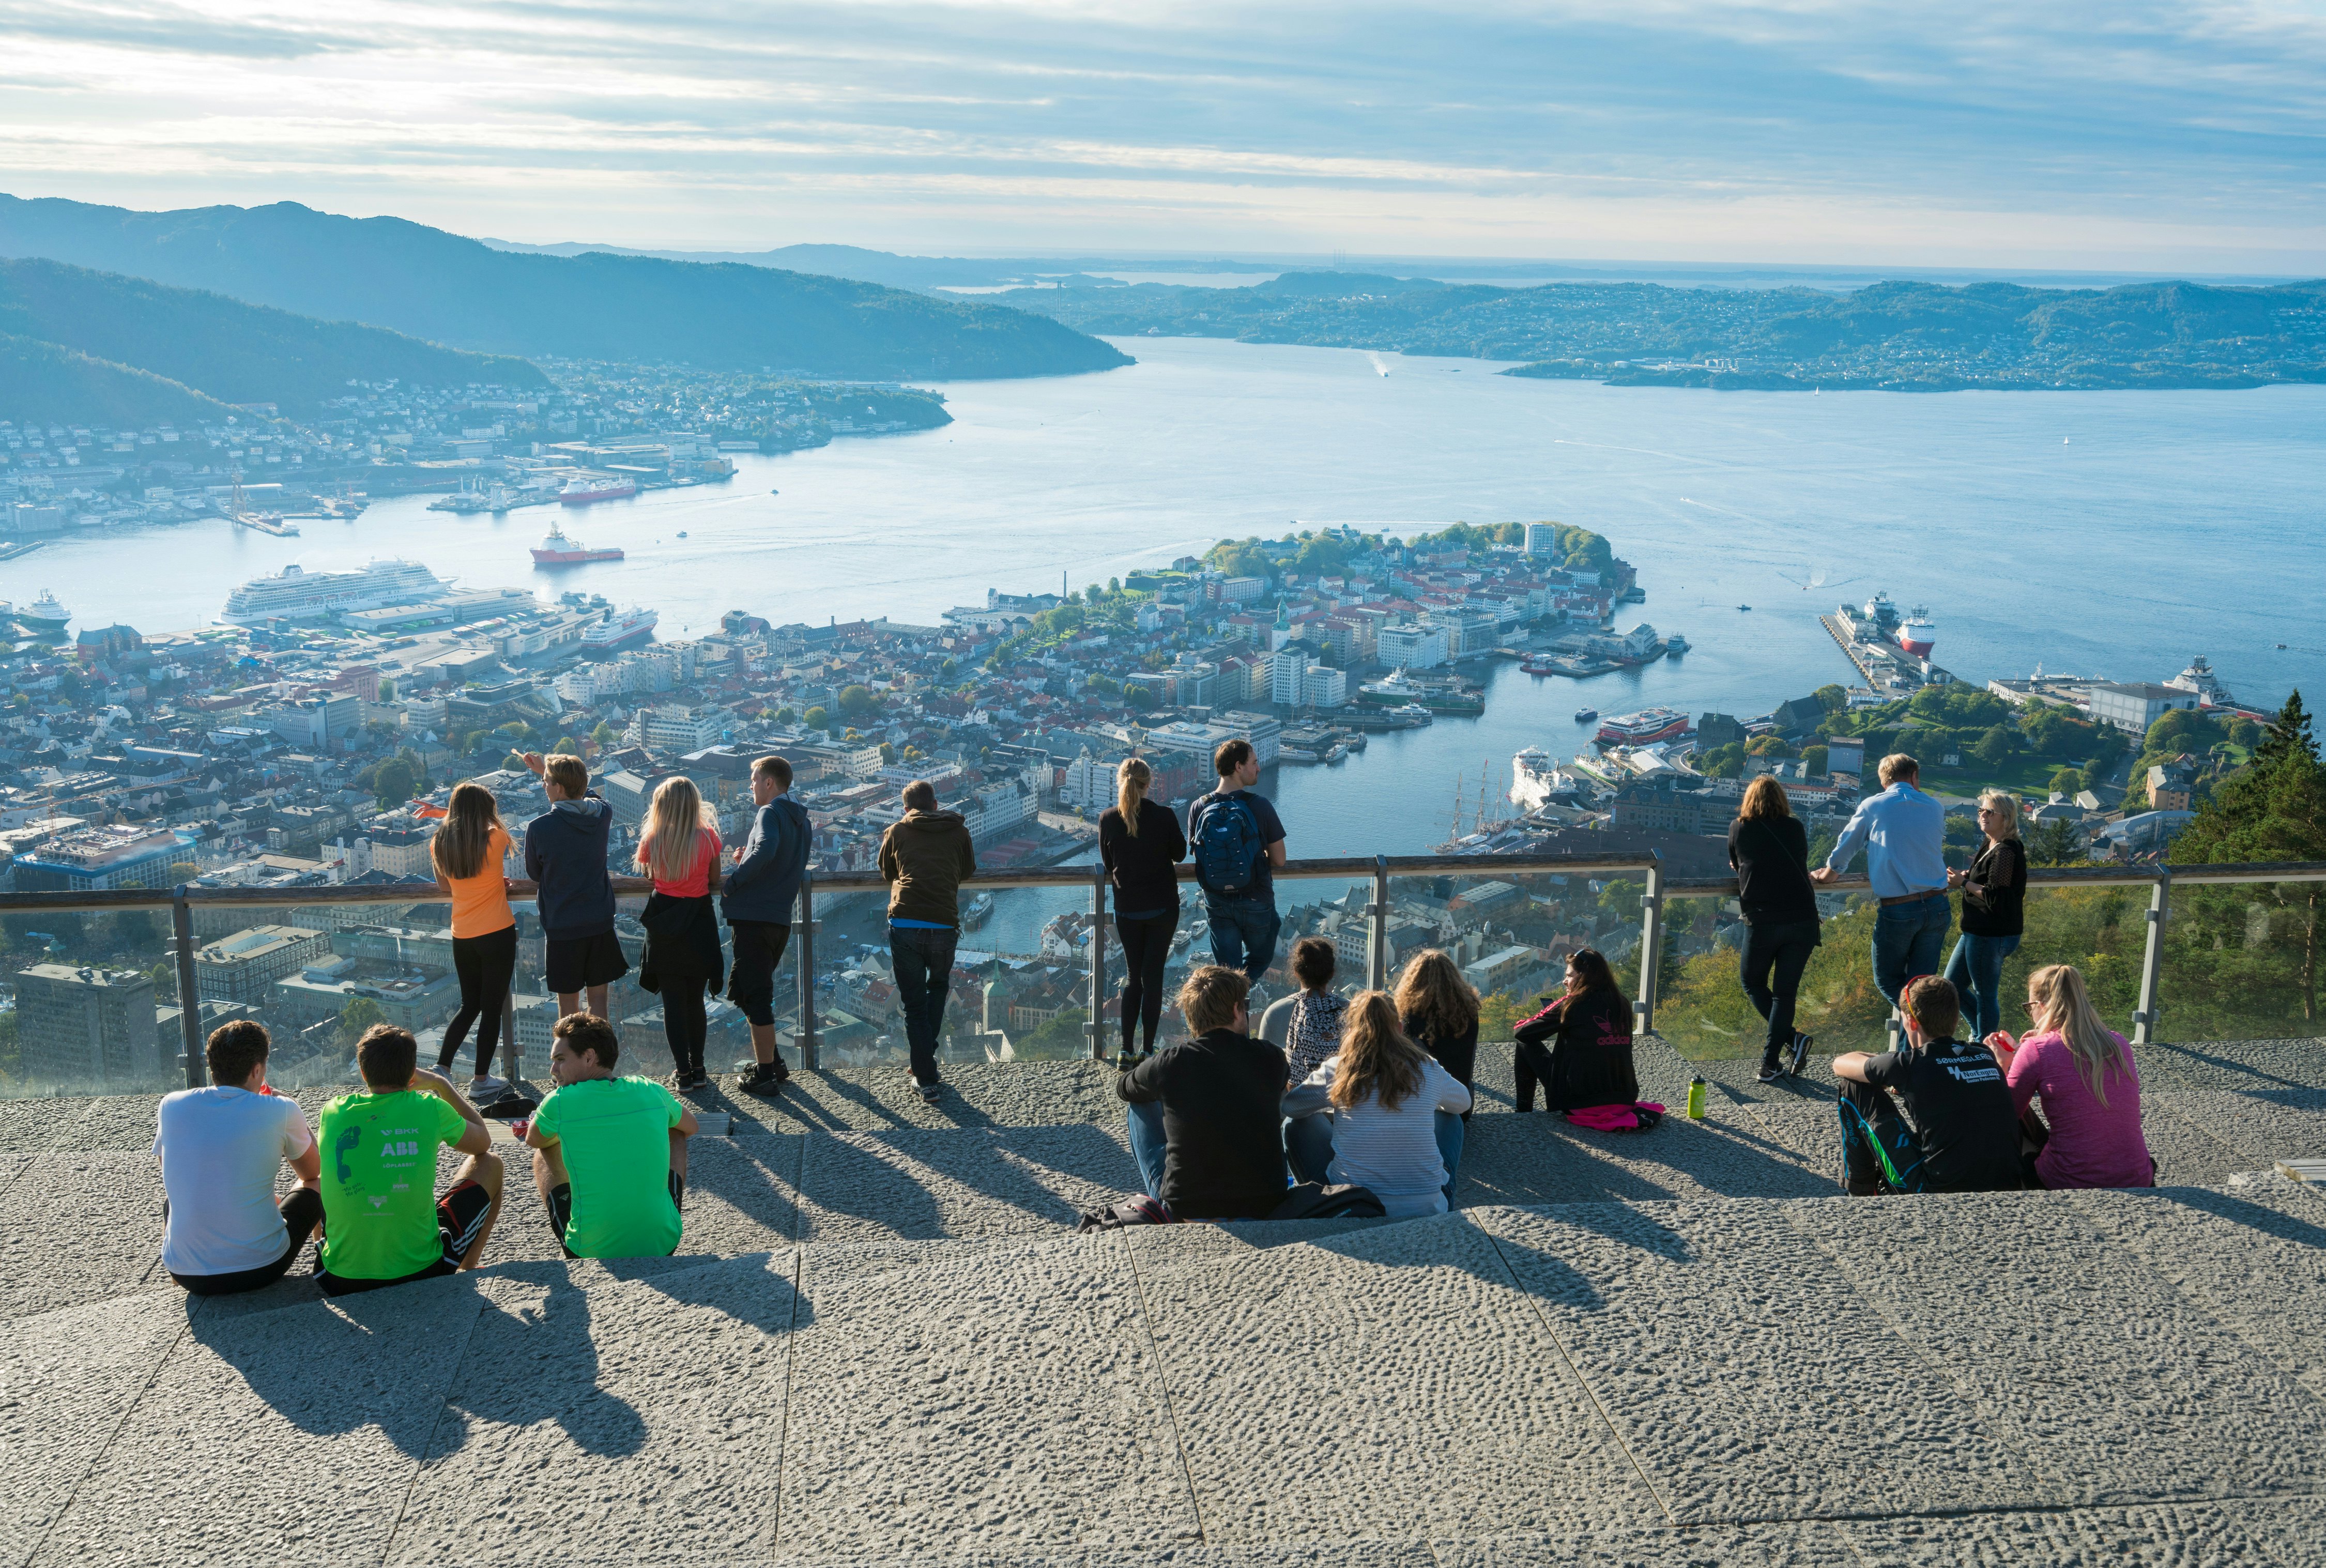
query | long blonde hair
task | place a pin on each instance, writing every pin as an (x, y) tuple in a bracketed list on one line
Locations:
[(2006, 805), (2062, 1004), (458, 850), (1375, 1057), (1433, 998), (674, 835), (1131, 782)]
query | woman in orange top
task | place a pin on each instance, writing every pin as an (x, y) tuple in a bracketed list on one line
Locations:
[(468, 852)]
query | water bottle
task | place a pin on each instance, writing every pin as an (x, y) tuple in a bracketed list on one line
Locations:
[(1696, 1097)]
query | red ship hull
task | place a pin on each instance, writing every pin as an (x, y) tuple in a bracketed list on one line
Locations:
[(573, 557)]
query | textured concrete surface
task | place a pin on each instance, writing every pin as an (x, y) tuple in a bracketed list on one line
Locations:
[(881, 1341)]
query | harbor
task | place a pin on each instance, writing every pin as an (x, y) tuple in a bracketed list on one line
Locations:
[(1891, 652)]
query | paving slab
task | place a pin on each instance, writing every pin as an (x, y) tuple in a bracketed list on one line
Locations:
[(2262, 1126), (593, 1408), (2166, 1535), (2237, 1065), (1767, 1546), (1328, 1381), (925, 1183), (79, 1228), (1543, 1158), (1008, 1404), (1711, 1335), (2185, 1153), (2121, 1389), (66, 1380), (975, 1094), (742, 1194), (287, 1436), (36, 1125)]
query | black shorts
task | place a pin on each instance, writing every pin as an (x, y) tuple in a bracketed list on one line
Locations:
[(460, 1215), (758, 953), (577, 962)]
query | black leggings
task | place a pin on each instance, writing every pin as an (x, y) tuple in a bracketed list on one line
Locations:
[(485, 964), (1146, 948), (684, 1024), (1774, 958)]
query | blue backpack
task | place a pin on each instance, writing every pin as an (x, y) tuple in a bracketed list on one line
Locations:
[(1227, 845)]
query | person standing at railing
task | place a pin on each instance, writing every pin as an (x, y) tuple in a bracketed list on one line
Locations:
[(1381, 1113), (683, 963), (469, 853), (1770, 851), (1579, 1047), (2090, 1133), (1239, 841), (926, 856), (1904, 833), (761, 890), (1141, 846), (1438, 1010), (565, 852), (1994, 912), (1206, 1117), (221, 1147)]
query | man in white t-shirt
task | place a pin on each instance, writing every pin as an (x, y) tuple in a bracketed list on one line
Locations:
[(220, 1149)]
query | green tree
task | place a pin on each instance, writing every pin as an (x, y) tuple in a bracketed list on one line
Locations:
[(1725, 761), (606, 735), (1139, 697), (2051, 843), (393, 783), (816, 718), (2068, 781), (856, 701), (1767, 746), (1832, 698), (786, 716), (388, 690), (1813, 758), (1993, 747), (357, 1017)]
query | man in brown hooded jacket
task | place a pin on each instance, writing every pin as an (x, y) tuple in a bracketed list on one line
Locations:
[(923, 859)]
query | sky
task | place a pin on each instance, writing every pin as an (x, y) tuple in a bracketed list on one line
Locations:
[(2126, 134)]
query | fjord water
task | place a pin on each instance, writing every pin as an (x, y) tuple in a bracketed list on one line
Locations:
[(2114, 534)]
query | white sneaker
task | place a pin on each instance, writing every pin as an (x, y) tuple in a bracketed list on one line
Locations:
[(487, 1087)]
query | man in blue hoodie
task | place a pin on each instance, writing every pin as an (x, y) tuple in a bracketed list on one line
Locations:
[(565, 851), (760, 891)]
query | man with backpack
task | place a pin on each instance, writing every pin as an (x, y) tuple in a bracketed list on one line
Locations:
[(1238, 841)]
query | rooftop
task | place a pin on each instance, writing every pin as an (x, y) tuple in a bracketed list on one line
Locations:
[(882, 1341)]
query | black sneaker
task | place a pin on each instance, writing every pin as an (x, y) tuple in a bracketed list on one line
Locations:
[(1800, 1052), (1770, 1072), (767, 1077), (694, 1082)]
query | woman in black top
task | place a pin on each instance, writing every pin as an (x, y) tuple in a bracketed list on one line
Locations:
[(1771, 853), (1439, 1011), (1141, 844), (1587, 1059), (1994, 912)]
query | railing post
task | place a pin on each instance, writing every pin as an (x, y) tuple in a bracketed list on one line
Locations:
[(1097, 1024), (1377, 928), (189, 1000), (1652, 944), (803, 928), (2152, 959), (512, 1059)]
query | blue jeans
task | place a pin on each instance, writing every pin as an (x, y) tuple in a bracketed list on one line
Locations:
[(1975, 972), (922, 962), (1243, 932), (1907, 939), (1309, 1145), (1147, 1146)]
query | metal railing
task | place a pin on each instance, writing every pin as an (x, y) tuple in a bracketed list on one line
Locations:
[(1376, 870)]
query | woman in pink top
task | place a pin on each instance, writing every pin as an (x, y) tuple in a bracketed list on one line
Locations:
[(680, 850), (2083, 1072)]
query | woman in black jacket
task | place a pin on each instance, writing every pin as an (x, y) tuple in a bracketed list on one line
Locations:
[(1771, 853), (1994, 912), (1587, 1059), (1142, 845)]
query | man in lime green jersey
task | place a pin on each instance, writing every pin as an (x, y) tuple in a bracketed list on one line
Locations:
[(609, 1152), (383, 1223)]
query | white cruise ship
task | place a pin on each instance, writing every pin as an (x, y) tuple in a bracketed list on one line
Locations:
[(620, 629), (294, 594)]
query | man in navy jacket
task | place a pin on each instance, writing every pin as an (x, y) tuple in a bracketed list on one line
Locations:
[(760, 891)]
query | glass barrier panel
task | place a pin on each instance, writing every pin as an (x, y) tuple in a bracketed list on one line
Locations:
[(1703, 1010), (2241, 962), (1510, 933)]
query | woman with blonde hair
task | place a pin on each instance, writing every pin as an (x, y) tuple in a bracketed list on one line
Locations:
[(1770, 851), (2082, 1069), (1379, 1113), (1140, 843), (1994, 913), (468, 853), (1438, 1010), (679, 849)]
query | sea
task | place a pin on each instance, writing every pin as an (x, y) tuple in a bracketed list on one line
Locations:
[(2109, 533)]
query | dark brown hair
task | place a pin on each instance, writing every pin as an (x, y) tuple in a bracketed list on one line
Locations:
[(386, 1055), (1932, 1003), (458, 850), (1314, 961), (1230, 755), (777, 768), (1433, 999), (587, 1032), (1209, 996), (234, 1049), (1592, 972)]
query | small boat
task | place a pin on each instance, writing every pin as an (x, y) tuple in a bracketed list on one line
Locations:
[(1675, 644), (1586, 715), (979, 911), (1744, 606), (774, 492)]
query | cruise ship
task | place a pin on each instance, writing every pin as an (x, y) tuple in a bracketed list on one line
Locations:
[(582, 492), (295, 594), (620, 628), (1645, 728), (45, 616)]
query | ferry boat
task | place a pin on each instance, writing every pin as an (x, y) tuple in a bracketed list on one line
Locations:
[(620, 629), (977, 912), (1538, 665), (45, 617), (293, 594), (556, 550), (1585, 714), (1675, 644), (1646, 726), (582, 492)]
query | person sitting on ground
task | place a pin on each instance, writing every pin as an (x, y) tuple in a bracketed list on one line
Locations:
[(1306, 1025), (1207, 1127), (219, 1148), (2091, 1133), (1439, 1011), (565, 851), (1379, 1113), (609, 1152), (1579, 1047), (1958, 1133), (382, 1223)]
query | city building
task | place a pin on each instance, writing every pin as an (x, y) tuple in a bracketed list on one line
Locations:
[(243, 968), (1412, 646), (2135, 707), (98, 859), (77, 1025), (1322, 686)]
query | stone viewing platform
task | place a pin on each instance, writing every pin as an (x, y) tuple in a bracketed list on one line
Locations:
[(882, 1341)]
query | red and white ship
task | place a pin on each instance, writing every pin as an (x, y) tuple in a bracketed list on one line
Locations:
[(557, 550), (582, 492), (1646, 727), (1918, 634)]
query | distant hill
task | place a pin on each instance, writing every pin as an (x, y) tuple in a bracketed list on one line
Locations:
[(46, 382), (388, 272), (233, 352)]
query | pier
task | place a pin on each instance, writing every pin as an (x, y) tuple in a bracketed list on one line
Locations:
[(1890, 670)]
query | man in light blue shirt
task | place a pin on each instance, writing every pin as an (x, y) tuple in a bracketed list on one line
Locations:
[(1904, 833)]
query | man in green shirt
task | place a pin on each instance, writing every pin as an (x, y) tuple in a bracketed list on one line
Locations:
[(609, 1152), (383, 1223)]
